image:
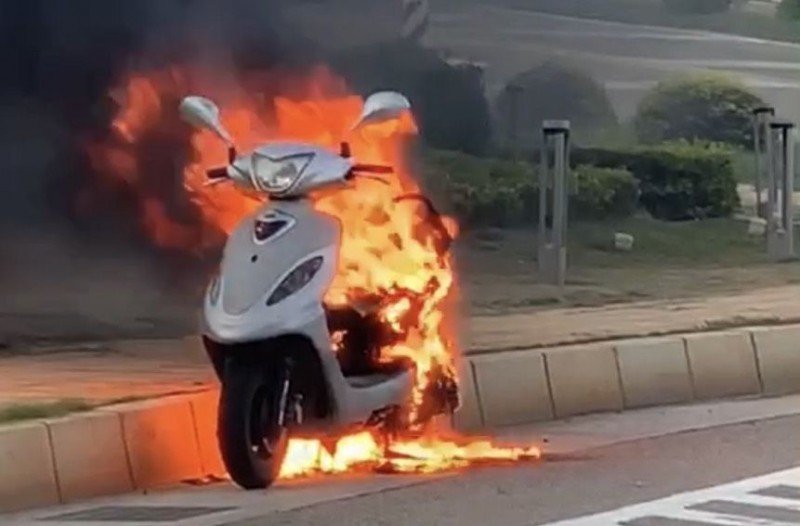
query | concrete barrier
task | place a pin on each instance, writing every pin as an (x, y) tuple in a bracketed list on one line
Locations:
[(722, 364), (27, 475), (512, 388), (584, 379), (778, 353), (92, 440), (163, 442), (654, 371)]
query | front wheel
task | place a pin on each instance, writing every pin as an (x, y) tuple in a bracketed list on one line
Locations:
[(251, 425)]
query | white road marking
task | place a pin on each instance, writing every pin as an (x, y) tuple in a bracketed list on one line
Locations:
[(739, 502)]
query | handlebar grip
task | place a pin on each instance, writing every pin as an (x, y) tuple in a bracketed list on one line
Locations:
[(373, 168), (215, 174)]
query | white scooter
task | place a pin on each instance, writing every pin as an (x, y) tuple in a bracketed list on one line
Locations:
[(265, 326)]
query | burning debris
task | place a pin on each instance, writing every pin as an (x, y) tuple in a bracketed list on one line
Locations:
[(362, 452), (393, 258)]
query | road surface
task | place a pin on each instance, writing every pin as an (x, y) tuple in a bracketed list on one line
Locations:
[(600, 465), (628, 59)]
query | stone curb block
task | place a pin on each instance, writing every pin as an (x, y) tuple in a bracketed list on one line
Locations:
[(512, 388), (722, 365), (204, 411), (654, 371), (27, 474), (161, 441), (778, 354), (468, 417), (96, 440), (583, 380), (145, 445)]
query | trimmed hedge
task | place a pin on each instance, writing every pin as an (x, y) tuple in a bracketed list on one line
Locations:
[(678, 181), (673, 181), (704, 107), (500, 193)]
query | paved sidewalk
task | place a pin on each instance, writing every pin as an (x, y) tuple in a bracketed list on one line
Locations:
[(104, 372), (562, 326), (109, 371)]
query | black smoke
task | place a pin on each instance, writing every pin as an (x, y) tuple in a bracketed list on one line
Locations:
[(60, 58), (58, 61)]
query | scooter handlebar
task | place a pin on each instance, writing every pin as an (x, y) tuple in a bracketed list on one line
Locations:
[(372, 169), (217, 174)]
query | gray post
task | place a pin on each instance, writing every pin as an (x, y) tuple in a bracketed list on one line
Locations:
[(780, 204), (553, 202), (761, 118)]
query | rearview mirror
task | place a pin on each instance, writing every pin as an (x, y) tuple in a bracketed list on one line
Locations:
[(381, 106), (203, 113)]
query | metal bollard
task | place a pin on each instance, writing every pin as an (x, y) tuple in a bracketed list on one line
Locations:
[(554, 202), (781, 146), (761, 119)]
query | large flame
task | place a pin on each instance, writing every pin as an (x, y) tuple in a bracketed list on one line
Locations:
[(386, 250)]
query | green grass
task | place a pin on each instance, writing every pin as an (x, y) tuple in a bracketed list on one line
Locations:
[(652, 12), (63, 407), (694, 244), (669, 261), (660, 243), (33, 411)]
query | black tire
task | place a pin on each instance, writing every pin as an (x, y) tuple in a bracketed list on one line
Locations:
[(252, 443)]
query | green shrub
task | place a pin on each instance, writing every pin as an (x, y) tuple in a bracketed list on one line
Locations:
[(498, 193), (706, 107), (698, 7), (604, 193), (553, 91), (677, 181), (789, 9), (449, 101)]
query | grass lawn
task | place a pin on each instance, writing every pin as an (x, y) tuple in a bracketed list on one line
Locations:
[(33, 410), (669, 260), (20, 412), (652, 12)]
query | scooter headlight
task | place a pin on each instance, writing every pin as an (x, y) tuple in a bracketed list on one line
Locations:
[(296, 280), (278, 175)]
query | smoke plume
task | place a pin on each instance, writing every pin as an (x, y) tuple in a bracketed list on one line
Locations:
[(58, 63)]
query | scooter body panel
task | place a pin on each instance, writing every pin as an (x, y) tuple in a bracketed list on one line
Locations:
[(236, 306)]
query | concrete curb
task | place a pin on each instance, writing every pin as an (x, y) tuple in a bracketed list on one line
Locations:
[(630, 374), (113, 450), (140, 446)]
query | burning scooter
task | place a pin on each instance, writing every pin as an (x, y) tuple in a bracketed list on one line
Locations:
[(289, 364)]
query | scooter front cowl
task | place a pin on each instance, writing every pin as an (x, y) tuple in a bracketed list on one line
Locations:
[(275, 270)]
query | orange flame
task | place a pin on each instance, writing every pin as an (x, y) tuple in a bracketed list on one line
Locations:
[(385, 250), (363, 452)]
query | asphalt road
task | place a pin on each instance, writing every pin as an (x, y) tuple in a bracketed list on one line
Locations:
[(628, 59), (601, 480), (598, 464)]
